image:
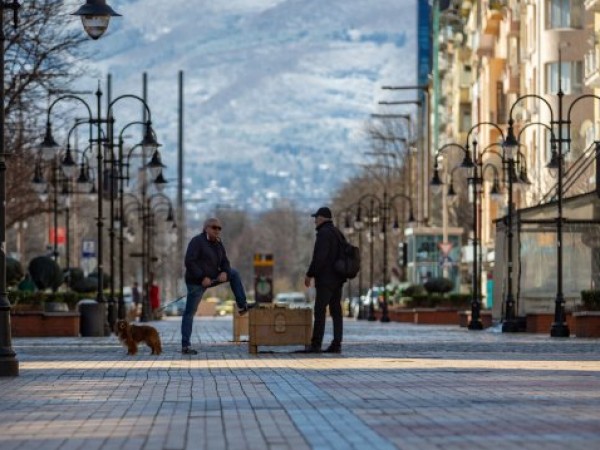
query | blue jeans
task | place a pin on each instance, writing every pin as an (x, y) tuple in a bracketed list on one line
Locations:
[(194, 295)]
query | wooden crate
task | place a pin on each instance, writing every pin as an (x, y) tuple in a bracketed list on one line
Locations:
[(240, 326), (270, 325)]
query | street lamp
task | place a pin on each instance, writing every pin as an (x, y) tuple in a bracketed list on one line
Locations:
[(559, 327), (387, 205), (146, 209), (510, 149), (95, 16), (473, 163), (49, 145), (371, 219), (118, 173), (9, 365), (147, 145)]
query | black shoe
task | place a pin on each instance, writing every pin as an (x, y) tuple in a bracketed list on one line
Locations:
[(333, 349), (247, 307), (188, 351), (310, 349)]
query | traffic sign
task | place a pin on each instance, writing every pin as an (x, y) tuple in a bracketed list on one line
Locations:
[(445, 247), (88, 248)]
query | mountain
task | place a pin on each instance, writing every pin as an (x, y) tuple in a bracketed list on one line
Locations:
[(277, 92)]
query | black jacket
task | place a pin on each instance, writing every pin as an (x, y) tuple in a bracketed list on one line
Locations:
[(204, 258), (327, 247)]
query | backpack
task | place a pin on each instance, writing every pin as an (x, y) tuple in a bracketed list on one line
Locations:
[(347, 263)]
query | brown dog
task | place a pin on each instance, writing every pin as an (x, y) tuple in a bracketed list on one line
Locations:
[(131, 335)]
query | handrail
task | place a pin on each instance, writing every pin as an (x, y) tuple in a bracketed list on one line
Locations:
[(582, 163)]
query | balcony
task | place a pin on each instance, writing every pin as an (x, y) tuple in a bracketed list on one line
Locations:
[(592, 68), (592, 5), (492, 16), (486, 46)]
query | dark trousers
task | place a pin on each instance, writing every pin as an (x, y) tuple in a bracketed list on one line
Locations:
[(332, 297)]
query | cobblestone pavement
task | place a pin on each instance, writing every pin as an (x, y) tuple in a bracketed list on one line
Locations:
[(394, 386)]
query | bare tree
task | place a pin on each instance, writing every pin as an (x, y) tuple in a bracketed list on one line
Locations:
[(42, 56)]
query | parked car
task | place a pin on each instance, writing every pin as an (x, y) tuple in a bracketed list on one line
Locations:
[(225, 308), (175, 309), (293, 300)]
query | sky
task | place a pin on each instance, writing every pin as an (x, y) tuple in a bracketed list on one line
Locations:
[(277, 92)]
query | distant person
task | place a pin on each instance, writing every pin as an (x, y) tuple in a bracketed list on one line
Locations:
[(154, 298), (206, 266), (328, 283), (136, 297)]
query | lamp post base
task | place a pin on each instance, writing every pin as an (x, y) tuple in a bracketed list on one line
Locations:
[(9, 367), (559, 330), (371, 317), (512, 326), (475, 325)]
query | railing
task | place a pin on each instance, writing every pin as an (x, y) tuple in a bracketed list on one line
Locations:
[(572, 175)]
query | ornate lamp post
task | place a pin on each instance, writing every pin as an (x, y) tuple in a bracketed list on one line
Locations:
[(474, 180), (388, 205), (9, 366), (560, 145), (49, 146), (155, 167), (371, 217), (120, 173)]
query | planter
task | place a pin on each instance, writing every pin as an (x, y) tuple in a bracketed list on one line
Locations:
[(542, 322), (587, 324), (436, 316), (402, 315), (43, 324)]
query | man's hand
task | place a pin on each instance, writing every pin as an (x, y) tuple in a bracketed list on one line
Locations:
[(206, 282), (307, 281), (222, 278)]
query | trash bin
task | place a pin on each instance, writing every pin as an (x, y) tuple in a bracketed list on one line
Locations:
[(91, 322)]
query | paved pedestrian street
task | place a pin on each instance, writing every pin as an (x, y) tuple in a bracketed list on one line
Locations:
[(394, 386)]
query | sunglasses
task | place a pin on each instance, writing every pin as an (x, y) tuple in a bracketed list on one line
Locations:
[(216, 227)]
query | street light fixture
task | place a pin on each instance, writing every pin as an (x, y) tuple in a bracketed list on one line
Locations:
[(95, 16), (474, 180)]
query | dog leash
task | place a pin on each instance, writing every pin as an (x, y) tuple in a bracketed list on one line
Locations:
[(171, 302), (213, 283)]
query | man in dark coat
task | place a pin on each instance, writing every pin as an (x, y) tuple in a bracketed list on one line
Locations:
[(328, 283), (206, 266)]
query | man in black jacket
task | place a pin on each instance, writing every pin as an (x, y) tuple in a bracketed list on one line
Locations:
[(206, 266), (327, 282)]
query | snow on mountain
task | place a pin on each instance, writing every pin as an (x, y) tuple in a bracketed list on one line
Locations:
[(277, 92)]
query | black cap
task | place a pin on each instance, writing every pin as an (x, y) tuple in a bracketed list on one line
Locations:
[(322, 212)]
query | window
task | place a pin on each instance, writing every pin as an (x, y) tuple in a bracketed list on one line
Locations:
[(564, 13), (465, 117), (500, 103), (570, 75)]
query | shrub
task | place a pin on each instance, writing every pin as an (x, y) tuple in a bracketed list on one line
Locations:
[(85, 285), (459, 300), (37, 299), (413, 290), (45, 273), (438, 285), (14, 272), (590, 300), (73, 275), (423, 301)]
